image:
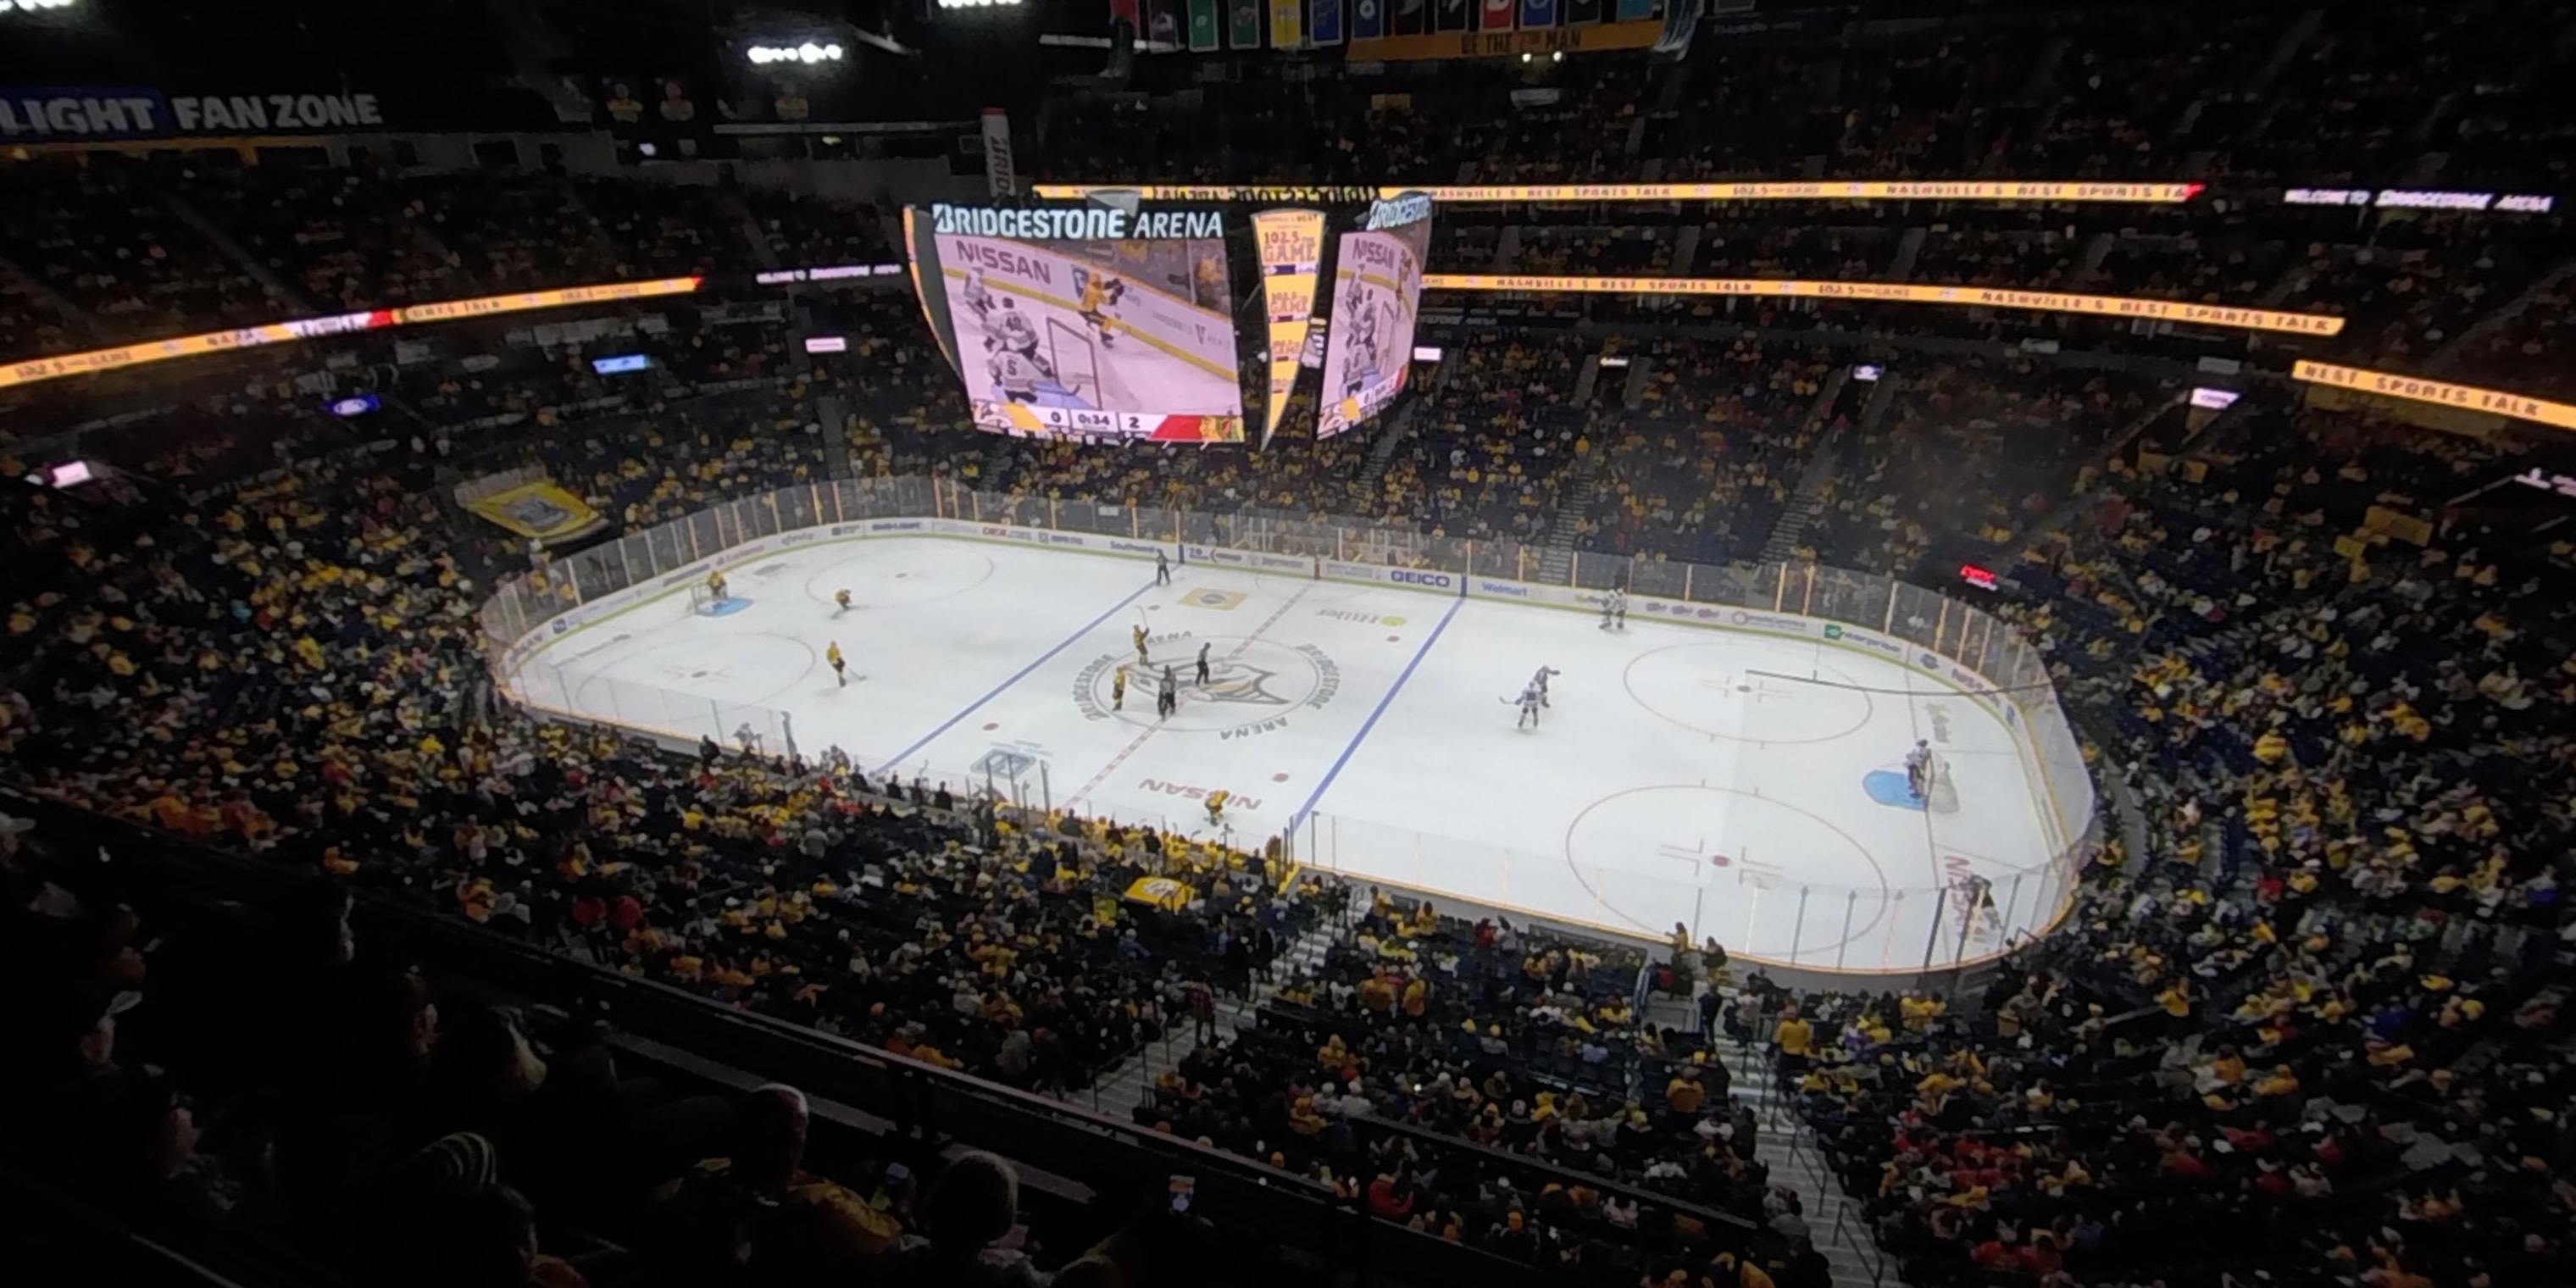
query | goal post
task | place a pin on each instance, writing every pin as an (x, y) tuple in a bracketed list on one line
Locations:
[(1076, 362), (702, 597)]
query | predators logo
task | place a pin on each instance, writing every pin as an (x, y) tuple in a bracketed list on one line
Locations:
[(1241, 683)]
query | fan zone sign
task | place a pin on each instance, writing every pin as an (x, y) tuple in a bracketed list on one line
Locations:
[(52, 115)]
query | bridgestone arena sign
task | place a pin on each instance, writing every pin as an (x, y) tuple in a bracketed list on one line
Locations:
[(65, 115), (1095, 223)]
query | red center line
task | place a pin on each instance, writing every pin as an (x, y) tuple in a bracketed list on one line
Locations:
[(1157, 727)]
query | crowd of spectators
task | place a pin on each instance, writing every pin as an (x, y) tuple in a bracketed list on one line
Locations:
[(2320, 1005), (269, 1086)]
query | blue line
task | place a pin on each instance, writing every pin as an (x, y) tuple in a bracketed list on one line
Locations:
[(1021, 674), (1371, 722)]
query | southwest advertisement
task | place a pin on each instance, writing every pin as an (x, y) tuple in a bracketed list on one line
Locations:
[(1291, 247)]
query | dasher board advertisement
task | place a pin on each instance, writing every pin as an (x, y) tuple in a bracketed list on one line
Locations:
[(1377, 298), (1122, 337)]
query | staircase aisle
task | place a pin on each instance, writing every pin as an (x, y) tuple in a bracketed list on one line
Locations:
[(1118, 1091), (1783, 1143)]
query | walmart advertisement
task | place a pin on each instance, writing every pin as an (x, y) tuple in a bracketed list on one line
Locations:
[(1094, 323), (1377, 298)]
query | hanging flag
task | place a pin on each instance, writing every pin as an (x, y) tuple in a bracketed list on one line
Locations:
[(1287, 25), (1125, 11), (1537, 13), (1498, 15), (1246, 30), (1454, 15), (1163, 23), (1203, 26), (1368, 20), (1634, 10), (1325, 23), (1409, 17), (1290, 245), (1581, 13)]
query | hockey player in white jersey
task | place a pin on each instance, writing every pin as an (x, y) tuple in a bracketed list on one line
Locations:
[(1918, 770), (1614, 610), (1364, 342), (1538, 683), (1531, 700), (1012, 332), (979, 295), (1015, 375)]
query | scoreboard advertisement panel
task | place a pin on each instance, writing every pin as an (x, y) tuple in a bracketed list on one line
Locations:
[(1091, 323), (1377, 297)]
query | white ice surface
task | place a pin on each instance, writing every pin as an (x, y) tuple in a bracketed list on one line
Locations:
[(1714, 778)]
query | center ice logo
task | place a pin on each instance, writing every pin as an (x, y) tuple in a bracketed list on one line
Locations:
[(1252, 687)]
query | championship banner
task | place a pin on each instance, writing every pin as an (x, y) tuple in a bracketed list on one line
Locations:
[(1581, 13), (1452, 15), (1636, 10), (2120, 306), (1979, 190), (1001, 177), (1325, 23), (1410, 17), (540, 510), (1368, 19), (1246, 30), (1203, 34), (54, 366), (1537, 13), (1291, 247), (1498, 15), (1287, 25), (2388, 384)]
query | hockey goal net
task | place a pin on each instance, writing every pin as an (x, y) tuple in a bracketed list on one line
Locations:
[(1076, 362), (702, 597)]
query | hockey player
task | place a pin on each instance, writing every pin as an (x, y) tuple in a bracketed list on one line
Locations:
[(1137, 634), (1012, 332), (1203, 666), (1162, 569), (1015, 375), (1606, 602), (1118, 689), (1364, 345), (840, 668), (1168, 700), (1531, 701), (716, 592), (1619, 603), (1538, 683), (1099, 291), (979, 295), (1918, 770), (840, 601), (1216, 806)]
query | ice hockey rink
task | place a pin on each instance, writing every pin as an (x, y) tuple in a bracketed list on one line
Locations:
[(1750, 787)]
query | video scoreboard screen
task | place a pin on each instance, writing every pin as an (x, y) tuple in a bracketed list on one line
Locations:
[(1376, 301), (1090, 322)]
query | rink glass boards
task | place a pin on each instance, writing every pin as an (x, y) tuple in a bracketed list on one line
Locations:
[(1376, 301), (1084, 322)]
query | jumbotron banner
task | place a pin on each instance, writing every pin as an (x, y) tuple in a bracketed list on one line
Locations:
[(1377, 298), (1094, 323), (2117, 306), (1291, 248), (2389, 384), (31, 370), (2145, 194)]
